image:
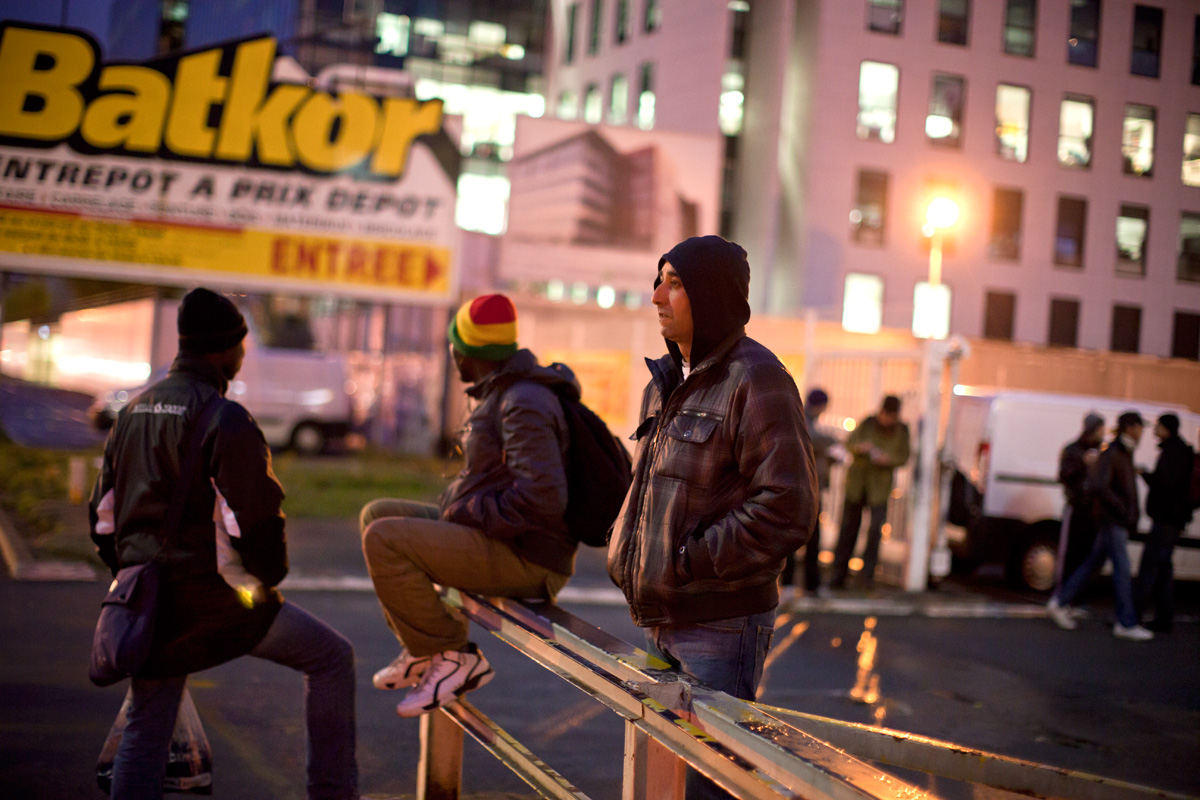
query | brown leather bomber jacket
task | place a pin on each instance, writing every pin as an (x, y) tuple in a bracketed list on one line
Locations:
[(724, 487)]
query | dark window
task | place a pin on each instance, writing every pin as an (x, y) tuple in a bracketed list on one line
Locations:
[(1196, 51), (1185, 339), (1083, 43), (1188, 268), (729, 171), (171, 25), (594, 30), (1007, 205), (1126, 329), (998, 312), (1133, 228), (885, 16), (1069, 231), (621, 34), (954, 18), (868, 219), (653, 16), (572, 26), (943, 124), (1147, 41), (1020, 27), (1064, 322)]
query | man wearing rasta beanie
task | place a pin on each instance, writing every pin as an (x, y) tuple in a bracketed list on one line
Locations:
[(724, 483), (499, 527), (217, 599)]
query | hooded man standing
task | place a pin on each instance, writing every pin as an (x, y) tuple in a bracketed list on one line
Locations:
[(724, 484), (499, 529), (1168, 506), (1075, 464)]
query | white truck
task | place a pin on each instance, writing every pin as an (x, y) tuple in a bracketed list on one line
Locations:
[(1005, 501)]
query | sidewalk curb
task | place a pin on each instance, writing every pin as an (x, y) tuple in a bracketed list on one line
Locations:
[(22, 566)]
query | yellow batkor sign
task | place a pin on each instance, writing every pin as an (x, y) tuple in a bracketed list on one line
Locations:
[(54, 91), (381, 264)]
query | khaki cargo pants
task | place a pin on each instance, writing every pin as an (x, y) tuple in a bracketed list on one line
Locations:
[(408, 549)]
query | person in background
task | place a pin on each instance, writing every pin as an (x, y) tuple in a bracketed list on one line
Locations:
[(217, 600), (1078, 530), (879, 444), (1115, 507), (499, 527), (815, 405), (723, 481), (1168, 506)]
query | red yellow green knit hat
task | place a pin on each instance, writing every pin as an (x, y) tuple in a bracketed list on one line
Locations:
[(485, 328)]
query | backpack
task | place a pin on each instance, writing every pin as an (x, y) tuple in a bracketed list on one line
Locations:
[(599, 472)]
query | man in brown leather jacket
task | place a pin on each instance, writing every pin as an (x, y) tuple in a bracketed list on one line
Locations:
[(499, 527), (724, 484)]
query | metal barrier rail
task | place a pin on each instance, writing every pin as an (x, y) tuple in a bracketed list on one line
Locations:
[(672, 722)]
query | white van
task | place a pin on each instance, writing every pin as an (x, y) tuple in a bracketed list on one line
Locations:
[(1006, 503)]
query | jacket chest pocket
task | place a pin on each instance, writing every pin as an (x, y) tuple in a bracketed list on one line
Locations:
[(690, 447)]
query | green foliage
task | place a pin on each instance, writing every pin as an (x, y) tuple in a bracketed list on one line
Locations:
[(341, 486), (29, 480)]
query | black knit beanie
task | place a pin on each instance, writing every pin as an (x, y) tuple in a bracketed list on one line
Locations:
[(716, 277), (209, 322)]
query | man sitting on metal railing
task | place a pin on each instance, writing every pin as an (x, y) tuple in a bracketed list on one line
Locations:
[(499, 528)]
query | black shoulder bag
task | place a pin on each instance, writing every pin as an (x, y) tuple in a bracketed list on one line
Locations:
[(125, 629)]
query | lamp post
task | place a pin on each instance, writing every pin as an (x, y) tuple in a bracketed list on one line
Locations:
[(931, 299)]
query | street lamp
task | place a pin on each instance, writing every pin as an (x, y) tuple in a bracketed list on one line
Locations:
[(931, 300)]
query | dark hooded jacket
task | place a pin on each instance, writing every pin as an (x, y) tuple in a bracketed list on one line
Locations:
[(1170, 482), (513, 485), (217, 598), (724, 483)]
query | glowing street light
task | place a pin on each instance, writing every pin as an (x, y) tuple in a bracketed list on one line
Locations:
[(931, 300)]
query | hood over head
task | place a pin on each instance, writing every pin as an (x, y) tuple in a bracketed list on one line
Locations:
[(716, 277)]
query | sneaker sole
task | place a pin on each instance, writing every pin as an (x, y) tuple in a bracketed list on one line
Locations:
[(412, 679), (473, 683)]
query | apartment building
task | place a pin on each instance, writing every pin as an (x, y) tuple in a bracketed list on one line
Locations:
[(1066, 133)]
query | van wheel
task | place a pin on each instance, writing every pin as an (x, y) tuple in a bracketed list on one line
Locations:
[(308, 439), (1033, 565)]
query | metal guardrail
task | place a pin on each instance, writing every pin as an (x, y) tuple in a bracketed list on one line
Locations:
[(672, 722)]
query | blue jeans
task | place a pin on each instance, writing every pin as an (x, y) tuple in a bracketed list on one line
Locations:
[(1111, 543), (295, 639), (726, 654)]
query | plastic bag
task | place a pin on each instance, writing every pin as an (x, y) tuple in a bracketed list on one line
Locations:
[(189, 761)]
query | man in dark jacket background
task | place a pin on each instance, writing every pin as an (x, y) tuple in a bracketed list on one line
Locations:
[(724, 485), (1115, 508), (1075, 464), (218, 598), (499, 527), (1167, 504)]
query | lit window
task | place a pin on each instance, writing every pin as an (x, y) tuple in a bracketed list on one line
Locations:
[(1188, 268), (1083, 43), (954, 18), (392, 31), (1012, 122), (868, 218), (482, 203), (862, 303), (1147, 41), (878, 91), (1132, 229), (732, 100), (1007, 207), (1069, 231), (645, 109), (618, 104), (1020, 27), (1191, 151), (592, 104), (1137, 139), (568, 105), (885, 16), (943, 125), (1076, 116)]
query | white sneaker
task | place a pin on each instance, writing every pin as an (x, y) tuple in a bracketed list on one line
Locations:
[(1135, 633), (450, 675), (1061, 615), (405, 670)]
